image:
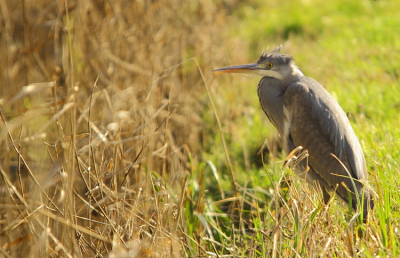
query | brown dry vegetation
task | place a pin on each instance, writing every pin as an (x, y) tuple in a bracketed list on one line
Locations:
[(106, 124), (94, 160)]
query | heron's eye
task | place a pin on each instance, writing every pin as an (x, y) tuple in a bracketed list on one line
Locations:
[(270, 65)]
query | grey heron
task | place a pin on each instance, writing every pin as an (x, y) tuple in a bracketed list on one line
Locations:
[(306, 115)]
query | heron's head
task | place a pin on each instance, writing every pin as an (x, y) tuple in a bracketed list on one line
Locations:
[(271, 64)]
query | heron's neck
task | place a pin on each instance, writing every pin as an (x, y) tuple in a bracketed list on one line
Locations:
[(293, 74), (295, 70)]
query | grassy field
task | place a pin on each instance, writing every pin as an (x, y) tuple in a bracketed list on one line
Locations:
[(118, 140)]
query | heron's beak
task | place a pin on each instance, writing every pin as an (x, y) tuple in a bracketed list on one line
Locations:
[(248, 68)]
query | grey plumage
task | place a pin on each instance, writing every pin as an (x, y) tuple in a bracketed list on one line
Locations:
[(306, 115)]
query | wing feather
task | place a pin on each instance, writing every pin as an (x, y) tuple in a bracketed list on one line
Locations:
[(316, 113)]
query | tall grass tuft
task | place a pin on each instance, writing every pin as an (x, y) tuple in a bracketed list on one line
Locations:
[(101, 124)]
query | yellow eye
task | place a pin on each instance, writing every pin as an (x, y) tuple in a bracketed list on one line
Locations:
[(270, 65)]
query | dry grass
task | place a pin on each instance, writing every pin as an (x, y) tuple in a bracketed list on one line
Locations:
[(103, 137), (95, 160)]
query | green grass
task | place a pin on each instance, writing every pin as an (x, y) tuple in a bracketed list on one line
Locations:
[(352, 49)]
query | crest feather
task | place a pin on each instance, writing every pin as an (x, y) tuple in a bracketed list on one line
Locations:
[(274, 56)]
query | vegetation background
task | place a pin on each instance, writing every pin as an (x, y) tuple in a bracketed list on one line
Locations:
[(117, 140)]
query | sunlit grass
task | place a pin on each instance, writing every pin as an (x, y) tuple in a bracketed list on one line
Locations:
[(351, 50)]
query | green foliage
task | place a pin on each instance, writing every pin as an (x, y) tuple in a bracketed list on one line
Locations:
[(351, 48)]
